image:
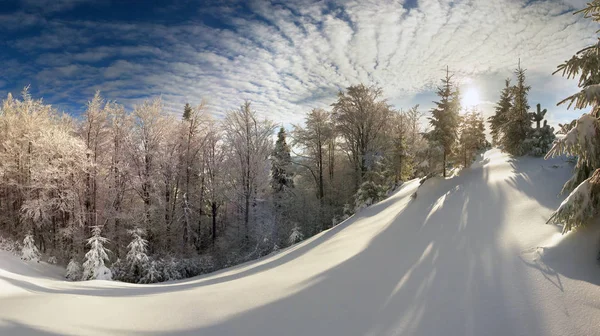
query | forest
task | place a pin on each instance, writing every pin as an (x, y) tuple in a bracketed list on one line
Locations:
[(147, 196)]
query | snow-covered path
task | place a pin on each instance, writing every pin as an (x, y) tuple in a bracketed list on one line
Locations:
[(464, 258)]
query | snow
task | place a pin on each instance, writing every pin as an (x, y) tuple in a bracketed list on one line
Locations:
[(470, 255), (583, 135)]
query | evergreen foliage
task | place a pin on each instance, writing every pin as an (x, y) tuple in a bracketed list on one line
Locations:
[(583, 137), (199, 188), (281, 178), (94, 267), (472, 136), (187, 112), (500, 117), (73, 271), (541, 137), (295, 236), (29, 252), (445, 119), (518, 124)]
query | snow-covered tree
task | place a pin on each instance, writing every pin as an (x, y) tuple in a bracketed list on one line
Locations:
[(583, 139), (149, 130), (73, 271), (313, 139), (517, 127), (214, 155), (94, 267), (281, 160), (250, 145), (360, 115), (445, 119), (295, 236), (29, 252), (137, 259)]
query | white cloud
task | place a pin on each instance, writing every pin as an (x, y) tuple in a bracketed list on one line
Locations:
[(289, 58)]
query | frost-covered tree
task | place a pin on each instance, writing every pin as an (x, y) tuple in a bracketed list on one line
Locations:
[(517, 127), (214, 155), (189, 175), (281, 160), (148, 133), (73, 271), (118, 174), (583, 139), (94, 267), (314, 139), (136, 261), (445, 119), (29, 252), (250, 146), (360, 115), (94, 132), (500, 117), (295, 236)]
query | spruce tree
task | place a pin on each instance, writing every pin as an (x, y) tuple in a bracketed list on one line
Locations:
[(29, 251), (281, 161), (500, 118), (518, 125), (445, 118), (73, 270), (187, 112), (472, 136), (542, 137), (583, 137), (137, 259), (94, 267)]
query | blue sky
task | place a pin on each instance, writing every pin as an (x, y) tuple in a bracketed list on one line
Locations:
[(285, 56)]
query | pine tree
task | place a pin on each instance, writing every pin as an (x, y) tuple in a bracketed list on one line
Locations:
[(541, 138), (93, 267), (73, 270), (281, 161), (445, 119), (295, 236), (29, 251), (583, 139), (518, 125), (472, 136), (500, 118), (137, 258), (187, 112)]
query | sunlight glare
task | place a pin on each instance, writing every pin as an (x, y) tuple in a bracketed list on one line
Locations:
[(470, 98)]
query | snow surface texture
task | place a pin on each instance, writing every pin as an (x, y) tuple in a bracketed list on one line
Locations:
[(470, 255)]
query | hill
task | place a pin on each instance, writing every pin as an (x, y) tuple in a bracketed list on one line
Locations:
[(471, 255)]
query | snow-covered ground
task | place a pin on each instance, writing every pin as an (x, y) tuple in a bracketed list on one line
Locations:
[(470, 255)]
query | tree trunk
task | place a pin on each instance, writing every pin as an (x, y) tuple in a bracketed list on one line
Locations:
[(214, 222), (444, 163)]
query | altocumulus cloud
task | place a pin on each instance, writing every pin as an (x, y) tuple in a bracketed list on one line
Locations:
[(285, 57)]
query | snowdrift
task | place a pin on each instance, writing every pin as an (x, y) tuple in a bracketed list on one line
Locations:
[(470, 255)]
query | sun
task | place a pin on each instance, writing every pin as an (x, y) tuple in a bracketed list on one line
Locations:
[(470, 97)]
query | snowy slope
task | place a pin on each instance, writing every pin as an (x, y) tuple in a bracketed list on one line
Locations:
[(470, 255)]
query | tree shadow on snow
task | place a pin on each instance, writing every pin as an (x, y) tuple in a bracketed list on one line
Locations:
[(254, 266), (449, 275), (14, 328)]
